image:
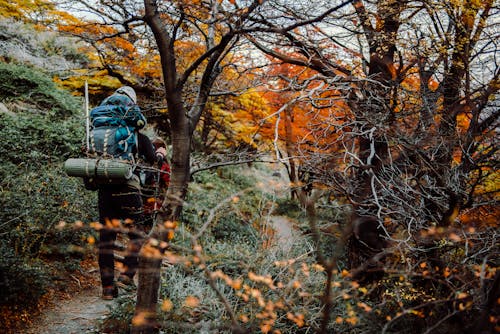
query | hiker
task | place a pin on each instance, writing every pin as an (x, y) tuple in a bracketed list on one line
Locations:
[(156, 182), (160, 145), (120, 204)]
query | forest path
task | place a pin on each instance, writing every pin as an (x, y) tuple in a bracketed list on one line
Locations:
[(284, 233), (81, 313), (274, 182), (78, 315)]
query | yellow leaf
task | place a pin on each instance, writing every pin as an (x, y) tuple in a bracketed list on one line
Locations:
[(170, 224), (96, 226), (191, 301), (139, 319), (61, 225), (265, 328), (167, 305), (318, 267), (363, 290), (236, 284), (365, 307)]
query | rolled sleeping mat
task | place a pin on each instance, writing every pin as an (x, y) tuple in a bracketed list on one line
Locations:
[(98, 168), (80, 167), (113, 169)]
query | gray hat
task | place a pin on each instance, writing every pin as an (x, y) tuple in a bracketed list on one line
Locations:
[(128, 91)]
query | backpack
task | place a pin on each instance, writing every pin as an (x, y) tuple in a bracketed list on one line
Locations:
[(112, 144), (114, 123)]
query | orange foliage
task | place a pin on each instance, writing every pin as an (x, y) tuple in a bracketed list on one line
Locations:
[(309, 128), (136, 63), (26, 10), (481, 216)]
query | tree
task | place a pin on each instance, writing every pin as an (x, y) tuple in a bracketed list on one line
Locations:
[(303, 110), (35, 11), (421, 83), (208, 31)]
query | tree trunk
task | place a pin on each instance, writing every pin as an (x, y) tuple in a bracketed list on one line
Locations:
[(375, 113), (145, 319), (290, 152)]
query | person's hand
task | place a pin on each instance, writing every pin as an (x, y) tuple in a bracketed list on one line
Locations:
[(161, 153)]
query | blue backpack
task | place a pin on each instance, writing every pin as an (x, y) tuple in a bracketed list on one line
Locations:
[(114, 124)]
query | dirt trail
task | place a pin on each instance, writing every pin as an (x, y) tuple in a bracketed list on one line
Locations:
[(275, 183), (78, 315), (285, 235)]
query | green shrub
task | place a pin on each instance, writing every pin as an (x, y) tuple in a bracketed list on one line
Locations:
[(22, 282), (37, 197), (289, 207), (34, 91), (240, 261), (231, 228), (208, 189), (120, 317), (37, 194), (178, 286)]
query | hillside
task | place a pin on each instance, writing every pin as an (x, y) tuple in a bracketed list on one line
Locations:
[(40, 126)]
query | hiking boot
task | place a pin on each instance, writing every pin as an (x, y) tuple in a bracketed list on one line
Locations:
[(109, 292), (125, 282)]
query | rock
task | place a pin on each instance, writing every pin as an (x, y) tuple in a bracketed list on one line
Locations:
[(5, 110)]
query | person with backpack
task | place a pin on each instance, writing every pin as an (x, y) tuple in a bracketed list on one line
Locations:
[(116, 125)]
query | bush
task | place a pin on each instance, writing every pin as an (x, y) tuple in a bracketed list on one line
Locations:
[(231, 228), (267, 278), (37, 194), (289, 207), (22, 282), (233, 250), (37, 197), (34, 91)]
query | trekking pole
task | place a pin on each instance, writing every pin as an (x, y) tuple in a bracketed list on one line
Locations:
[(155, 206), (87, 119), (157, 191)]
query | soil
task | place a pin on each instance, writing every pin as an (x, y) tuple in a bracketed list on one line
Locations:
[(285, 235), (73, 308), (77, 315)]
